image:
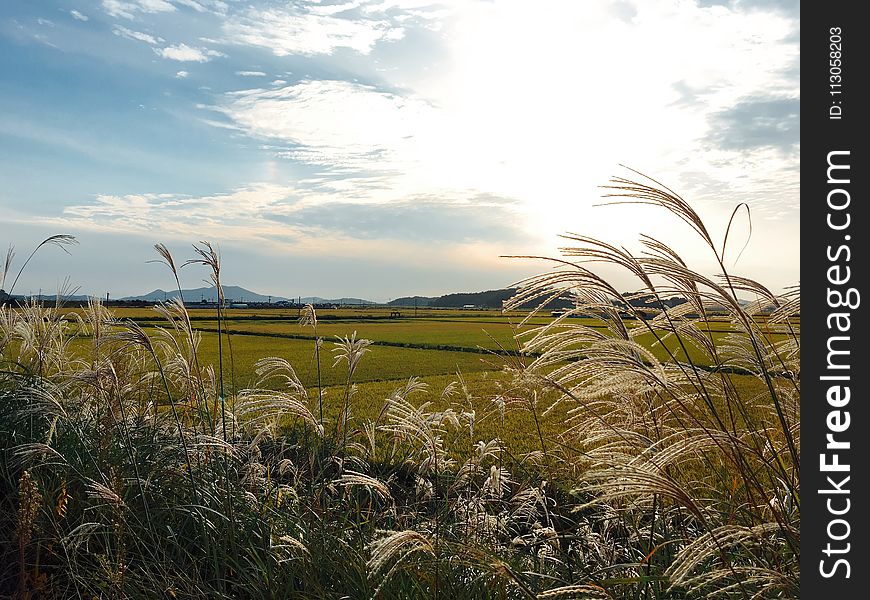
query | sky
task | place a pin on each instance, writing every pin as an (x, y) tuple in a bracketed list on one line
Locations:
[(382, 148)]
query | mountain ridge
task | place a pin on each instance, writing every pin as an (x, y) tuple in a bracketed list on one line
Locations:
[(232, 293)]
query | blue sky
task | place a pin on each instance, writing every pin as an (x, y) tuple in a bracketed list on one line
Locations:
[(379, 148)]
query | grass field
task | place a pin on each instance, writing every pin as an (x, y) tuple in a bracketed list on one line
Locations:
[(432, 344), (490, 334), (379, 363), (454, 347), (374, 312), (502, 410), (439, 342)]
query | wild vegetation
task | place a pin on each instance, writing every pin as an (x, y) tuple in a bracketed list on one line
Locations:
[(658, 460)]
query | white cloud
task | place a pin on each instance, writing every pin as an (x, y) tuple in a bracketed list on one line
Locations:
[(180, 215), (300, 221), (192, 4), (338, 124), (117, 8), (185, 53), (217, 7), (524, 106), (181, 75), (155, 6), (136, 35), (333, 9), (127, 8), (78, 16), (526, 111), (301, 30), (249, 213), (519, 82), (250, 73)]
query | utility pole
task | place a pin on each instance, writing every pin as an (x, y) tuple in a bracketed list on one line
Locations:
[(415, 307)]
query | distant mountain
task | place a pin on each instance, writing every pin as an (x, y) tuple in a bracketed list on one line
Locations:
[(232, 293), (420, 301), (496, 299), (4, 297), (487, 299), (342, 301)]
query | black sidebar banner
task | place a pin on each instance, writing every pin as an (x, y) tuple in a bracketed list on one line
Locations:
[(835, 421)]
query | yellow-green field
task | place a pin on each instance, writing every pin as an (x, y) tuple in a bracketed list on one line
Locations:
[(439, 342), (438, 347), (380, 362), (492, 334)]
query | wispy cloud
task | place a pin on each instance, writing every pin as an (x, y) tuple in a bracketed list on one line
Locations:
[(757, 123), (185, 53), (181, 75), (308, 221), (517, 119), (177, 52), (181, 215), (193, 4), (136, 35), (127, 9), (309, 29), (77, 15), (420, 219), (788, 7), (251, 73), (334, 123)]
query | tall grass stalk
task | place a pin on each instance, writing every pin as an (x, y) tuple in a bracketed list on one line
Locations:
[(700, 430), (309, 317)]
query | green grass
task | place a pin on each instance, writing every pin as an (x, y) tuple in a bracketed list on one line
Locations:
[(379, 363), (471, 335), (433, 339), (696, 355), (467, 334), (514, 425), (375, 312)]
